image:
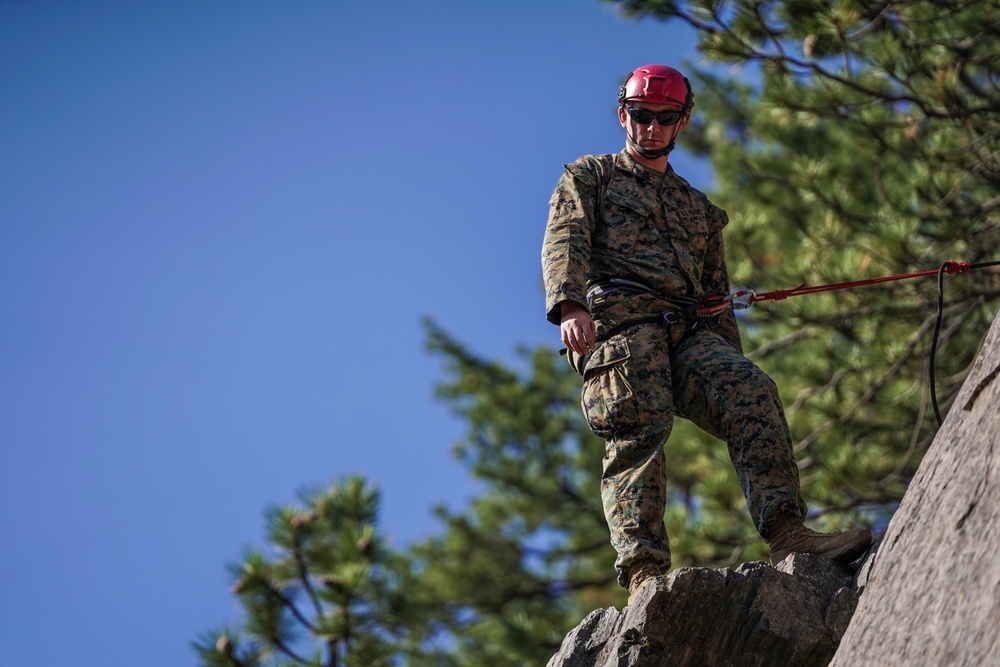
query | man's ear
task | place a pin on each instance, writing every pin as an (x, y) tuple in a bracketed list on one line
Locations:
[(622, 115), (684, 121)]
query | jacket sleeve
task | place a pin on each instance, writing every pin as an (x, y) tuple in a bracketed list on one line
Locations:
[(715, 276), (566, 247)]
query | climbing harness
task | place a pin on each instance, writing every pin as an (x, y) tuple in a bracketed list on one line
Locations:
[(743, 299), (715, 305), (601, 289)]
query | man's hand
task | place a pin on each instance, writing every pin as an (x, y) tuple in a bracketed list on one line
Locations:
[(577, 328)]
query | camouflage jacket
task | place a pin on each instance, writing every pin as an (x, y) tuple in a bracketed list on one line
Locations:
[(611, 217)]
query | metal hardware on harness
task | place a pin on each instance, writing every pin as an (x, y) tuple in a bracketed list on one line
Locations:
[(743, 305), (719, 304)]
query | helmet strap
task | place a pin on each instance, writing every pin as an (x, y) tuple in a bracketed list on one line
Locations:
[(649, 153)]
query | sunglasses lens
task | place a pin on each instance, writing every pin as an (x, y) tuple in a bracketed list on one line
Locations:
[(645, 116), (641, 115), (668, 117)]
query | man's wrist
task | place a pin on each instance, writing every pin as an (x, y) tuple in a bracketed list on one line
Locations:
[(567, 307)]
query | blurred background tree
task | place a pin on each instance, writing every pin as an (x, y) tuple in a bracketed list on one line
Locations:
[(328, 594), (848, 140)]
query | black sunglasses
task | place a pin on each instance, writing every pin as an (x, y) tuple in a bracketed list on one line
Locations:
[(645, 116)]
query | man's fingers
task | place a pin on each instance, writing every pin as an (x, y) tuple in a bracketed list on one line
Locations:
[(568, 339), (581, 337), (571, 339), (574, 341)]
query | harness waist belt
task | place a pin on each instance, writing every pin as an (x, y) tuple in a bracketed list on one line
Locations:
[(624, 286), (666, 318)]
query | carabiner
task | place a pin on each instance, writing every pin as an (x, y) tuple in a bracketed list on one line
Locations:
[(742, 305)]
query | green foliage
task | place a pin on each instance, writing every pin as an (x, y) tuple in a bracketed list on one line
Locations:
[(331, 593), (532, 551)]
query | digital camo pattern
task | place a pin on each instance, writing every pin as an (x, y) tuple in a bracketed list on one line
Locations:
[(635, 382), (610, 217)]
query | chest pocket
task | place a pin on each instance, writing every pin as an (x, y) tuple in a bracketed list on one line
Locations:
[(623, 200), (691, 229), (693, 226)]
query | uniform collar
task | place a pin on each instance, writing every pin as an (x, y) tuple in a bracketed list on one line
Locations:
[(628, 163)]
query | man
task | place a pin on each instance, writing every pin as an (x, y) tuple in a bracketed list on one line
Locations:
[(630, 249)]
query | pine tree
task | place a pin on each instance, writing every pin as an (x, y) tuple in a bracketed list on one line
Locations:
[(329, 594), (532, 552)]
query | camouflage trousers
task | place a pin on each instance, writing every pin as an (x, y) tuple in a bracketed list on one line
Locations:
[(634, 384)]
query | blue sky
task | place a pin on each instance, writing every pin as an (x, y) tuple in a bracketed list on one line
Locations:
[(220, 226)]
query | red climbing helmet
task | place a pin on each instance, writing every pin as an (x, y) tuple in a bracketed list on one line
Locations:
[(656, 84)]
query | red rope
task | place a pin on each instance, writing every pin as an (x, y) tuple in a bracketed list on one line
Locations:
[(717, 304)]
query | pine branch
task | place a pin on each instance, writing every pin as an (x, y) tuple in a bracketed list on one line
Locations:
[(780, 343), (284, 648), (303, 573), (875, 387)]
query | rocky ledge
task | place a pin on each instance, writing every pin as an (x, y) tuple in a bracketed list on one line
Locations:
[(755, 615)]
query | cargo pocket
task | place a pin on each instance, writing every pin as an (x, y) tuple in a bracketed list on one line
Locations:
[(578, 362), (608, 400)]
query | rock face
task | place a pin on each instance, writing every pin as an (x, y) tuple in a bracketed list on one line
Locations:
[(933, 595), (752, 616)]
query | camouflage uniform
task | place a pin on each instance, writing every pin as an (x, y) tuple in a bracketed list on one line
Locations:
[(612, 218)]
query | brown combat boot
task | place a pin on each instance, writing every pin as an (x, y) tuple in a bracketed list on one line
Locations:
[(641, 574), (789, 536)]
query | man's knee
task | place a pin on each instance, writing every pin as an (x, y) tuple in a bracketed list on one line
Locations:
[(631, 453), (759, 381)]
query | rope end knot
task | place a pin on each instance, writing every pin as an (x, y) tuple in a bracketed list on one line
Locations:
[(781, 294), (951, 266)]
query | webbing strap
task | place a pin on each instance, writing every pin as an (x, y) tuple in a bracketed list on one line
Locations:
[(667, 318)]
